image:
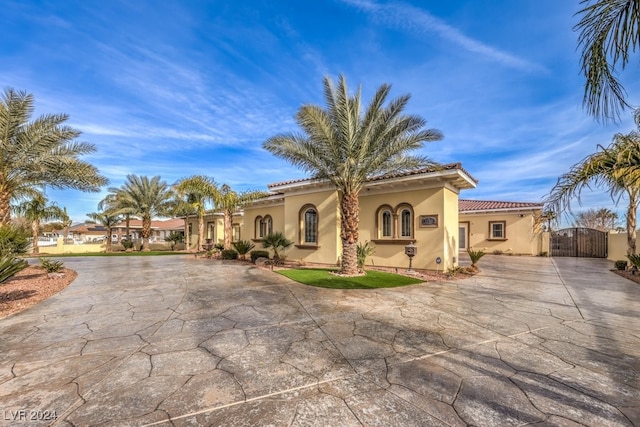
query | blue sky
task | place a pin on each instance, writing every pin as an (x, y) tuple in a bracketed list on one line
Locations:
[(177, 88)]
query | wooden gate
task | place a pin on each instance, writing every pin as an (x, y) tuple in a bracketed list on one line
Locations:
[(579, 242)]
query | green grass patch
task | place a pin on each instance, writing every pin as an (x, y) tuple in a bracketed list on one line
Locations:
[(373, 279), (134, 253)]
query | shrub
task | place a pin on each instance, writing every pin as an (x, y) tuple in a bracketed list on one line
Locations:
[(258, 254), (174, 237), (621, 264), (635, 260), (497, 252), (51, 266), (127, 244), (228, 254), (13, 240), (475, 256), (218, 246), (10, 265), (278, 242), (364, 251), (243, 247), (543, 253)]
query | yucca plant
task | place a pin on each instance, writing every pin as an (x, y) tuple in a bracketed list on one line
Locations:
[(10, 265), (51, 266), (243, 247), (475, 257), (364, 251)]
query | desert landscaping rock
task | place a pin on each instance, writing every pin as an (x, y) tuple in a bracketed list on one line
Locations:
[(179, 341)]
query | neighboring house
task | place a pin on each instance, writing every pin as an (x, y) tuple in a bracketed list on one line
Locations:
[(160, 229), (419, 207), (507, 227), (87, 233)]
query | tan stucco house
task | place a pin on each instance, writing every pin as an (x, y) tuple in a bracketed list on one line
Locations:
[(505, 227), (421, 207)]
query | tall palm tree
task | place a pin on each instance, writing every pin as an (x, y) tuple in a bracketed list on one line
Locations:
[(229, 201), (35, 153), (609, 30), (116, 204), (183, 205), (146, 198), (199, 191), (36, 210), (615, 168), (109, 221), (346, 146)]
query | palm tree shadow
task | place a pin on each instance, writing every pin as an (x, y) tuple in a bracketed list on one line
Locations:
[(16, 295)]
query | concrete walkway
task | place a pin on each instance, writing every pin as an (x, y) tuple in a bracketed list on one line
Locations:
[(178, 341)]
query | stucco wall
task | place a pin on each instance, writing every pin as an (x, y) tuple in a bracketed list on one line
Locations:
[(431, 242), (618, 246), (327, 250), (520, 235)]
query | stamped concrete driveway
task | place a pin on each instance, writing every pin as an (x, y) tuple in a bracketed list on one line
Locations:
[(178, 341)]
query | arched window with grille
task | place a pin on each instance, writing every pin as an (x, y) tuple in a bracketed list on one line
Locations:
[(309, 225), (406, 223), (387, 223), (259, 230), (268, 225)]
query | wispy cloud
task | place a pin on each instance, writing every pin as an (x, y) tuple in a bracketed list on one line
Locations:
[(419, 22)]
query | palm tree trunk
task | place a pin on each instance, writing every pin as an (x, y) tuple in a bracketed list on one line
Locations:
[(146, 233), (5, 208), (349, 225), (109, 232), (228, 219), (186, 232), (35, 230), (632, 222), (200, 232)]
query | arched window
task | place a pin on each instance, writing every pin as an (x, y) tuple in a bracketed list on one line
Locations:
[(387, 223), (406, 223), (259, 231), (309, 225), (268, 225)]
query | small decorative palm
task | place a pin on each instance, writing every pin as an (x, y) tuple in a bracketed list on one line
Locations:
[(277, 242), (475, 257), (635, 261), (243, 247)]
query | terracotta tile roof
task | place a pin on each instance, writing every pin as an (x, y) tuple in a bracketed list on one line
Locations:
[(465, 205), (449, 166)]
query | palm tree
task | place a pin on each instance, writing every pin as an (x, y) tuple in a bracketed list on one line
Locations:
[(109, 221), (278, 242), (116, 203), (39, 152), (608, 31), (145, 198), (35, 211), (198, 191), (183, 206), (614, 168), (346, 146), (229, 201), (66, 223)]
